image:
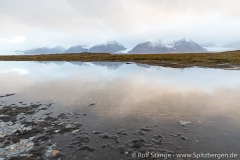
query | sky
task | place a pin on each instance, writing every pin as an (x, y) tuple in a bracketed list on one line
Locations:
[(26, 24)]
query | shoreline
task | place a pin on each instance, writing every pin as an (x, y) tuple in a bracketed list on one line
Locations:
[(222, 60)]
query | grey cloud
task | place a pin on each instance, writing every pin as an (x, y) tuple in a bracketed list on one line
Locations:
[(65, 14), (121, 19)]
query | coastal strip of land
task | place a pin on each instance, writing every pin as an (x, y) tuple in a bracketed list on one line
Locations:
[(226, 60)]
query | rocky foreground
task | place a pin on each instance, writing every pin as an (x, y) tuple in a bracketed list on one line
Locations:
[(31, 131)]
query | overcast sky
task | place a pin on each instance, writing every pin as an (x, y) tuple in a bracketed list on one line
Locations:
[(36, 23)]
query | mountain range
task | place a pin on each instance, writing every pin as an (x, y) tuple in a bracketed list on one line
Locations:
[(43, 50), (76, 49), (179, 46), (109, 47)]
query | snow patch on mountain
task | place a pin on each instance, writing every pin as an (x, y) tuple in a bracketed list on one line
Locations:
[(159, 46)]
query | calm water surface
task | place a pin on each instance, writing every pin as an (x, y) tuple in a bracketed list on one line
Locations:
[(131, 96)]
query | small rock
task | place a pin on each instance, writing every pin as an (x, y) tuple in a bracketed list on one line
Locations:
[(159, 136), (97, 132), (92, 104), (179, 134), (173, 135), (104, 146), (75, 131), (183, 123), (146, 129), (55, 153), (68, 126), (183, 138), (105, 135), (139, 132), (56, 131), (85, 147)]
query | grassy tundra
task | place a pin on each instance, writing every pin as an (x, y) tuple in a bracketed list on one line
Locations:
[(229, 59)]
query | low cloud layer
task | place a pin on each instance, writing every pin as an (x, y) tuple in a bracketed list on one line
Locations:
[(71, 22)]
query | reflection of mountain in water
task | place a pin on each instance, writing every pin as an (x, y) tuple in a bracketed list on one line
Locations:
[(109, 65), (77, 63), (143, 65), (156, 68)]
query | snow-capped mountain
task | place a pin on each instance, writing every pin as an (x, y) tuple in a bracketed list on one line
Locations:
[(184, 46), (179, 46), (149, 47), (109, 47), (45, 50), (76, 49)]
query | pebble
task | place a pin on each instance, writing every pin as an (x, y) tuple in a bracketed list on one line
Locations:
[(92, 104), (86, 147), (75, 131), (55, 153), (105, 135), (183, 123), (183, 138), (139, 132), (173, 135), (146, 129), (97, 132)]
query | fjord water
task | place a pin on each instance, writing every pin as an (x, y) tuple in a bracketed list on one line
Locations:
[(133, 96)]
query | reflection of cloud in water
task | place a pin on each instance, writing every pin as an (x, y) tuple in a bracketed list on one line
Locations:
[(132, 96), (19, 71), (127, 90), (193, 77), (109, 65)]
